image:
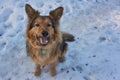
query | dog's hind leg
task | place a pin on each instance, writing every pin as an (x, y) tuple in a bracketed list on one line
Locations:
[(66, 37), (63, 51)]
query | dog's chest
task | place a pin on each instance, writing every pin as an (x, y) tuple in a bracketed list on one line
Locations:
[(44, 56), (43, 52)]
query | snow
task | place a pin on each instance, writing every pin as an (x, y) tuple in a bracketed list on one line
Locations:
[(94, 55)]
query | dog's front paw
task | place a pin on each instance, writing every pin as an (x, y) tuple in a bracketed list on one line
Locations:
[(37, 72), (52, 72), (53, 69)]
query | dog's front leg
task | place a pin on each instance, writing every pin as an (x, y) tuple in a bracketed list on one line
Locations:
[(37, 70), (53, 68)]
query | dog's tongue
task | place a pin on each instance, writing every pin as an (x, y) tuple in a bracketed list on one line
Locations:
[(43, 40)]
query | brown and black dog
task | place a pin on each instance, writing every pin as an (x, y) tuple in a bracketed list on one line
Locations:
[(45, 43)]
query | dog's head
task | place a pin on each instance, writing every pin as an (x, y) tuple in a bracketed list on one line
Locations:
[(41, 30)]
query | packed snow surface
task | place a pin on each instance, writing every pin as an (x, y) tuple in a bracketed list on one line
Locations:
[(94, 55)]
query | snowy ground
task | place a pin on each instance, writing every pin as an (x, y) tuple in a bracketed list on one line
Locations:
[(95, 55)]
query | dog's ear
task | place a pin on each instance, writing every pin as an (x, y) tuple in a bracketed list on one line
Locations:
[(30, 11), (56, 14)]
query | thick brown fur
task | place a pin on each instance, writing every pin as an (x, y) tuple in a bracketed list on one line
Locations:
[(55, 48)]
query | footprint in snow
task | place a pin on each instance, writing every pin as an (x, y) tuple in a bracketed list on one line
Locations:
[(5, 14), (58, 1), (2, 29), (78, 68), (2, 45), (40, 5), (67, 10), (21, 4), (102, 39), (8, 26), (20, 17), (26, 0)]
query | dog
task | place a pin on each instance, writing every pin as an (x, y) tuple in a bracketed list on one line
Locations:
[(45, 43)]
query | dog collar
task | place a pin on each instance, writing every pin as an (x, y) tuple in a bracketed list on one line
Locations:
[(43, 51)]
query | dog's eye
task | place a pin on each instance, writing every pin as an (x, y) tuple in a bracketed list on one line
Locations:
[(37, 25), (49, 25)]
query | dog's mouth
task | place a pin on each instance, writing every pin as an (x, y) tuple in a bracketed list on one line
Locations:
[(43, 40)]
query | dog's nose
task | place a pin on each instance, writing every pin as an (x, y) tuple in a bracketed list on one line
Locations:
[(45, 33)]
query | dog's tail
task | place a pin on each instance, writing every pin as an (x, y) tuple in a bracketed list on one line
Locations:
[(67, 37)]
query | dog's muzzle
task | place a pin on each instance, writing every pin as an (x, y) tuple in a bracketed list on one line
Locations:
[(43, 38), (44, 33)]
